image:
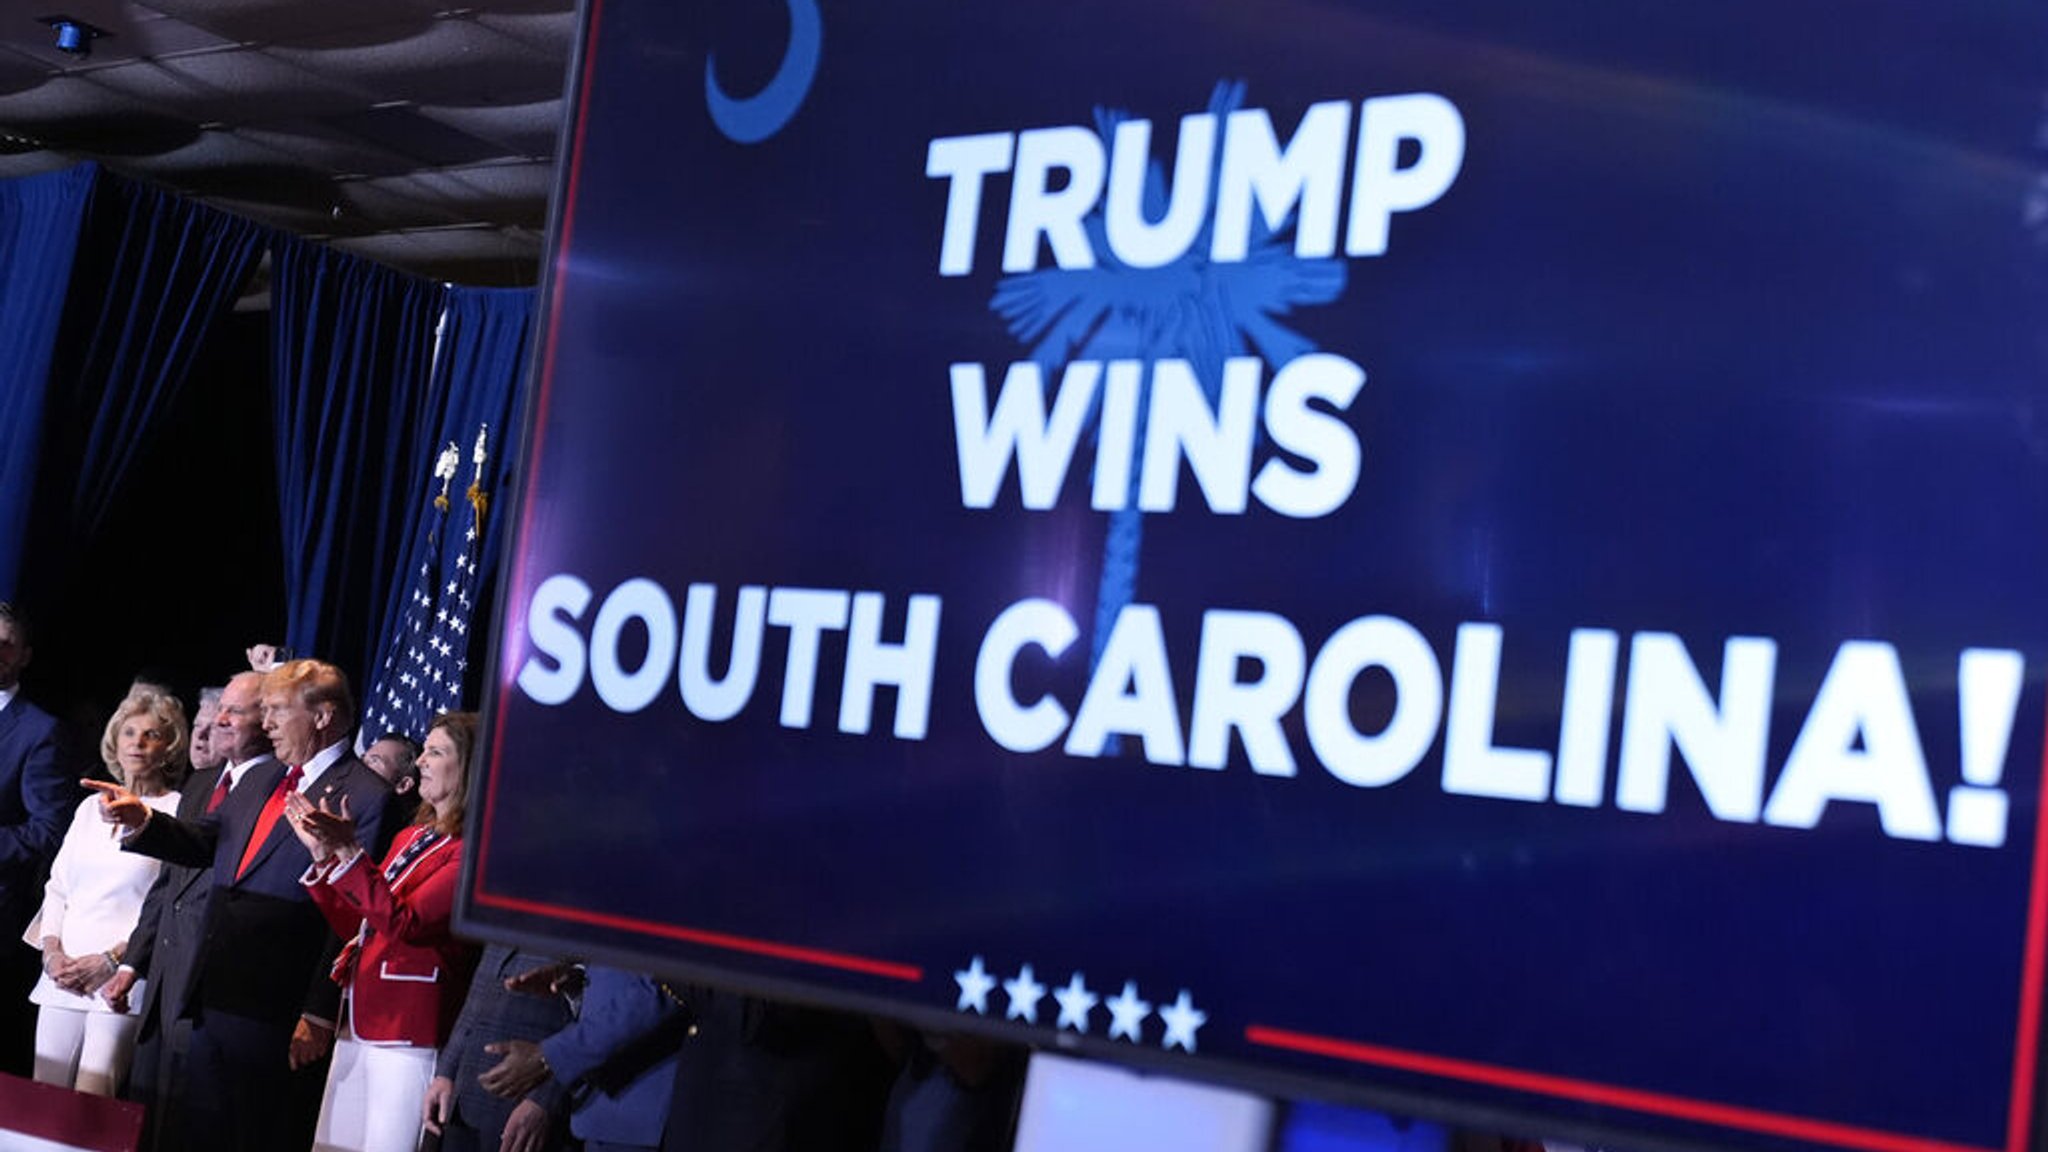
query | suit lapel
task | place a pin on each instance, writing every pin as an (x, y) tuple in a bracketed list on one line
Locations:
[(191, 806), (238, 815), (197, 791), (330, 789)]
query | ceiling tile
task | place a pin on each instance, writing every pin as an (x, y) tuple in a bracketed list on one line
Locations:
[(151, 82), (320, 145), (346, 118), (66, 97), (19, 73), (292, 21), (401, 128), (220, 146), (501, 7), (225, 164), (530, 130), (415, 201), (550, 32), (31, 163), (73, 112), (508, 181), (242, 86), (455, 62), (515, 194), (130, 32)]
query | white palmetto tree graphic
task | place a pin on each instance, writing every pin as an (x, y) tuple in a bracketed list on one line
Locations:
[(1191, 309)]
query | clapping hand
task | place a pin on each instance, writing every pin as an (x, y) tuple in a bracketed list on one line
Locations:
[(324, 831)]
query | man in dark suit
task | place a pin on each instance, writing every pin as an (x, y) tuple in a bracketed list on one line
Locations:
[(466, 1115), (37, 796), (266, 1004), (166, 940)]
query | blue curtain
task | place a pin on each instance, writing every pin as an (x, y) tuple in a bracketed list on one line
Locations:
[(154, 272), (485, 336), (39, 224), (352, 346)]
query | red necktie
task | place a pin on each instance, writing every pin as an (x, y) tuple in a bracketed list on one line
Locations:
[(220, 793), (272, 809)]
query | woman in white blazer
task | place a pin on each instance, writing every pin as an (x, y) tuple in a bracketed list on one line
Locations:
[(91, 904)]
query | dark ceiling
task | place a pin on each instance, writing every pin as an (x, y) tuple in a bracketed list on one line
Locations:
[(414, 132)]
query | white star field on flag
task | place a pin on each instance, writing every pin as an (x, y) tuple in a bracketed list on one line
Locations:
[(428, 657)]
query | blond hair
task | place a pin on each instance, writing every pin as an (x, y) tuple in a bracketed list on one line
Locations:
[(165, 713), (315, 682)]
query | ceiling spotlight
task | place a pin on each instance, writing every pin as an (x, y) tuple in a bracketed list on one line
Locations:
[(74, 37)]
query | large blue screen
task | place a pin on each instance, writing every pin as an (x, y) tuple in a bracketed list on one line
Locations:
[(1487, 557)]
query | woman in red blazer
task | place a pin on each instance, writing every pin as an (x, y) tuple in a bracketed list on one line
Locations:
[(405, 973)]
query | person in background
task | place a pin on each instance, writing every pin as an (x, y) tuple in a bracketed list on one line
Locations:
[(617, 1059), (167, 940), (200, 753), (953, 1092), (396, 758), (38, 791), (774, 1077), (91, 903), (151, 682), (405, 972), (459, 1109)]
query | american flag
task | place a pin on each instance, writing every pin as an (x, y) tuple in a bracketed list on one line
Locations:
[(424, 667)]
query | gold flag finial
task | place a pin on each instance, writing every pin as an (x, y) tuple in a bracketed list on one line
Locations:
[(477, 499)]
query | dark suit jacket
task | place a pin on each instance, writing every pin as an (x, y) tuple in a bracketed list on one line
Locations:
[(38, 793), (165, 944), (490, 1014), (266, 949)]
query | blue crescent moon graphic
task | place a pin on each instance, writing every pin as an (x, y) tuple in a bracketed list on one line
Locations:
[(757, 117)]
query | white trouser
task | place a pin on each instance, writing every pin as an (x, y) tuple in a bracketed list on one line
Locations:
[(88, 1051), (374, 1096)]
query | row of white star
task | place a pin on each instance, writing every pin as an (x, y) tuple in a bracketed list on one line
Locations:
[(1127, 1012), (434, 644)]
